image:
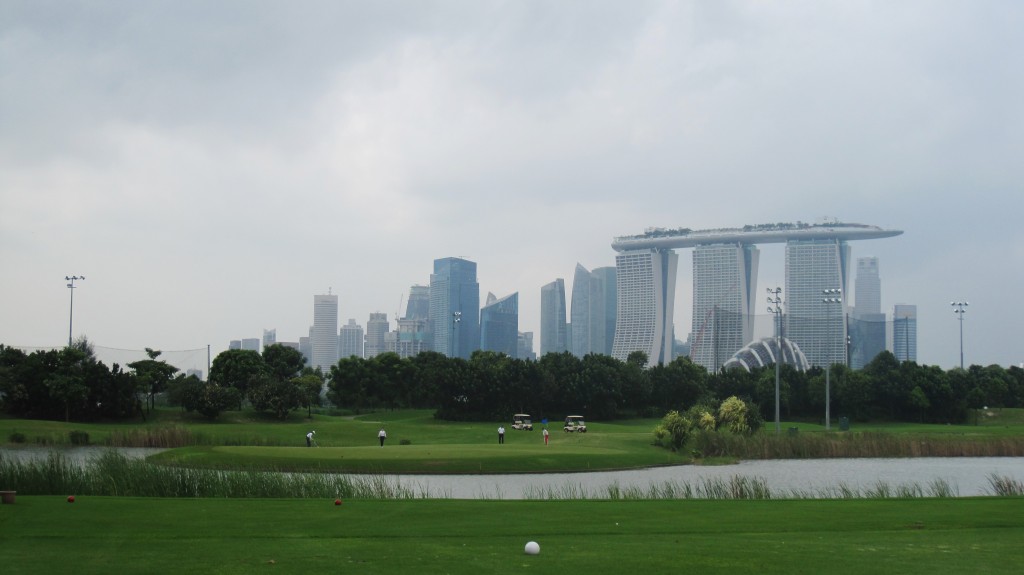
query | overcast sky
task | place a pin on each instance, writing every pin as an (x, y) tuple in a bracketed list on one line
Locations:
[(210, 166)]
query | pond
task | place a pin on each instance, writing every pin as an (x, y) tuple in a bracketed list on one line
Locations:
[(964, 476)]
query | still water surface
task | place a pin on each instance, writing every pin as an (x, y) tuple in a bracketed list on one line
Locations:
[(965, 476)]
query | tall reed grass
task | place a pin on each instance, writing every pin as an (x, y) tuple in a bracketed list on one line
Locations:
[(740, 487), (851, 445), (1005, 486), (116, 474)]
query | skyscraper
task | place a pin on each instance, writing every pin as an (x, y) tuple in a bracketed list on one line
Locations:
[(724, 285), (269, 337), (418, 306), (867, 322), (808, 248), (607, 299), (553, 336), (324, 333), (816, 326), (904, 332), (350, 340), (868, 287), (251, 344), (376, 327), (645, 286), (455, 307), (499, 325), (526, 346), (593, 301)]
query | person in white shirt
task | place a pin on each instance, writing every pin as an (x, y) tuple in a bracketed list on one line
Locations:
[(382, 435)]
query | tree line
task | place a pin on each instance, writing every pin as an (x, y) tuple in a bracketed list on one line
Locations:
[(70, 384)]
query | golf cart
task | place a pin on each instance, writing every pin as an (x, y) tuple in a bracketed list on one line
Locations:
[(522, 421), (574, 423)]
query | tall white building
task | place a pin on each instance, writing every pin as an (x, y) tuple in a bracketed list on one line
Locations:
[(593, 301), (350, 340), (724, 285), (816, 326), (376, 328), (645, 286), (324, 333)]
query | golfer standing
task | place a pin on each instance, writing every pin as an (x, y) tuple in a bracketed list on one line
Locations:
[(382, 435), (309, 439), (501, 434), (546, 436)]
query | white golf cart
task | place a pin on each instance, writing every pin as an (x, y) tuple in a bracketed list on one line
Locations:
[(574, 423), (522, 421)]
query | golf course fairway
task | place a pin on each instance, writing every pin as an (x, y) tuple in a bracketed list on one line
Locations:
[(47, 534)]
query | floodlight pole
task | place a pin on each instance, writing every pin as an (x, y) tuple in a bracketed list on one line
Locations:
[(960, 308), (456, 320), (832, 296), (71, 312), (775, 307)]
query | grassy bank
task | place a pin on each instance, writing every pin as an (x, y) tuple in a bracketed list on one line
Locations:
[(417, 443), (42, 535)]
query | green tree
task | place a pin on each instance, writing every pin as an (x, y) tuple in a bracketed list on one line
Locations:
[(153, 375), (274, 396), (238, 368), (283, 362)]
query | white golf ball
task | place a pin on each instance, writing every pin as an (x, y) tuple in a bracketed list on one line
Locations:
[(532, 548)]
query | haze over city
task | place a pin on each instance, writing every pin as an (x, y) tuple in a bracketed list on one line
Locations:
[(209, 167)]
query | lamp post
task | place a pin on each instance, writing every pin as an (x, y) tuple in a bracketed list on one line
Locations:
[(456, 319), (775, 307), (960, 308), (832, 296), (71, 311)]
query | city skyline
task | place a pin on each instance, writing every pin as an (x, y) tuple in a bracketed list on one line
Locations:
[(347, 146)]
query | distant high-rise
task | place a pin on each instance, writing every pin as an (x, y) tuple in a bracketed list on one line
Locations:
[(235, 344), (724, 286), (645, 288), (455, 307), (409, 339), (607, 299), (499, 325), (306, 348), (867, 329), (418, 306), (816, 326), (324, 333), (376, 327), (593, 301), (553, 331), (251, 343), (816, 258), (904, 332), (350, 340), (269, 337), (867, 287), (526, 346)]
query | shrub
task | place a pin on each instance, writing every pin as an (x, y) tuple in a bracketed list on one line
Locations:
[(17, 437), (673, 432), (405, 442), (78, 437)]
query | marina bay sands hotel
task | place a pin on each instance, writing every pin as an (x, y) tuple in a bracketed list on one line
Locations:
[(725, 302)]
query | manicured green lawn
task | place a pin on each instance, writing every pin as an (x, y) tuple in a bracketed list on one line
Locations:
[(41, 535)]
